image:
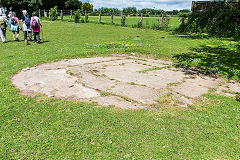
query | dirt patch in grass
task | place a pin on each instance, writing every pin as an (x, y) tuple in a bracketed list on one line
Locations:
[(123, 81)]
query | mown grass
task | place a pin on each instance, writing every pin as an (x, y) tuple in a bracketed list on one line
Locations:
[(47, 128)]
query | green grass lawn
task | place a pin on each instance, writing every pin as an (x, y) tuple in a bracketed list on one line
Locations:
[(47, 128)]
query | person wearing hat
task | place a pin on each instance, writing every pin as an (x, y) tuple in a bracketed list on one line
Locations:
[(27, 31), (3, 27)]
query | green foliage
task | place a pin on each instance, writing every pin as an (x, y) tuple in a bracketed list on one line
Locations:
[(184, 15), (130, 10), (81, 20), (18, 5), (222, 20), (53, 13), (73, 4), (147, 11), (87, 7), (77, 16), (185, 11)]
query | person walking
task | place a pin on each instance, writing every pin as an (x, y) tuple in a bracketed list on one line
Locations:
[(27, 31), (15, 26), (3, 27), (9, 16), (36, 27)]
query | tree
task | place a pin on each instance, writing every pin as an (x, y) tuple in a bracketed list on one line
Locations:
[(130, 10), (18, 5), (87, 7), (175, 12), (73, 4), (47, 4), (185, 11)]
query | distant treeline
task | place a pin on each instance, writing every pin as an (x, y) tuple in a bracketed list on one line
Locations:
[(133, 11), (30, 5)]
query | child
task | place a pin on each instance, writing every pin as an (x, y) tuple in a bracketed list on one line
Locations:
[(36, 24), (9, 16), (27, 31), (3, 27), (14, 26)]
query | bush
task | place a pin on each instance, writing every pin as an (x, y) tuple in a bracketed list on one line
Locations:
[(82, 20), (77, 16), (155, 26), (53, 14), (222, 20), (184, 15), (139, 25)]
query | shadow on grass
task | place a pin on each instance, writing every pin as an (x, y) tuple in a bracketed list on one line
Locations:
[(211, 61), (190, 36), (44, 41), (201, 36)]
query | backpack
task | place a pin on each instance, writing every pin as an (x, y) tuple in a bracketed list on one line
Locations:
[(13, 21), (27, 20), (34, 24)]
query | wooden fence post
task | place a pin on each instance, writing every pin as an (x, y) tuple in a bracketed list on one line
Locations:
[(141, 19), (86, 17), (71, 14), (123, 18), (62, 15), (160, 21), (182, 21), (39, 13), (99, 18), (112, 18), (45, 13)]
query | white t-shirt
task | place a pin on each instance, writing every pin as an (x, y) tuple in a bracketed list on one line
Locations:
[(36, 19)]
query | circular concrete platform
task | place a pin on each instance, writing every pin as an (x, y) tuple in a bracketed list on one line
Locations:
[(123, 81)]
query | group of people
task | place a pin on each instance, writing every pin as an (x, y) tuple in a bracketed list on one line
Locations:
[(29, 25)]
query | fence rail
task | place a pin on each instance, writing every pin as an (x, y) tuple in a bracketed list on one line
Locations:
[(162, 21)]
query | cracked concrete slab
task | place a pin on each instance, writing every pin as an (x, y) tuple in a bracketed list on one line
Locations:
[(118, 102), (196, 87), (55, 83), (138, 93), (126, 82)]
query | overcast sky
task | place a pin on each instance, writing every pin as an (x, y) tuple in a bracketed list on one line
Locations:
[(158, 4)]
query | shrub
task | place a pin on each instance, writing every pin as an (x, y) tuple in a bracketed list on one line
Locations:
[(139, 25), (184, 15), (222, 20), (155, 26), (77, 16), (82, 20), (53, 13)]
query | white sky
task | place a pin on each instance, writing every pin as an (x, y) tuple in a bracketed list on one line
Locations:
[(158, 4)]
